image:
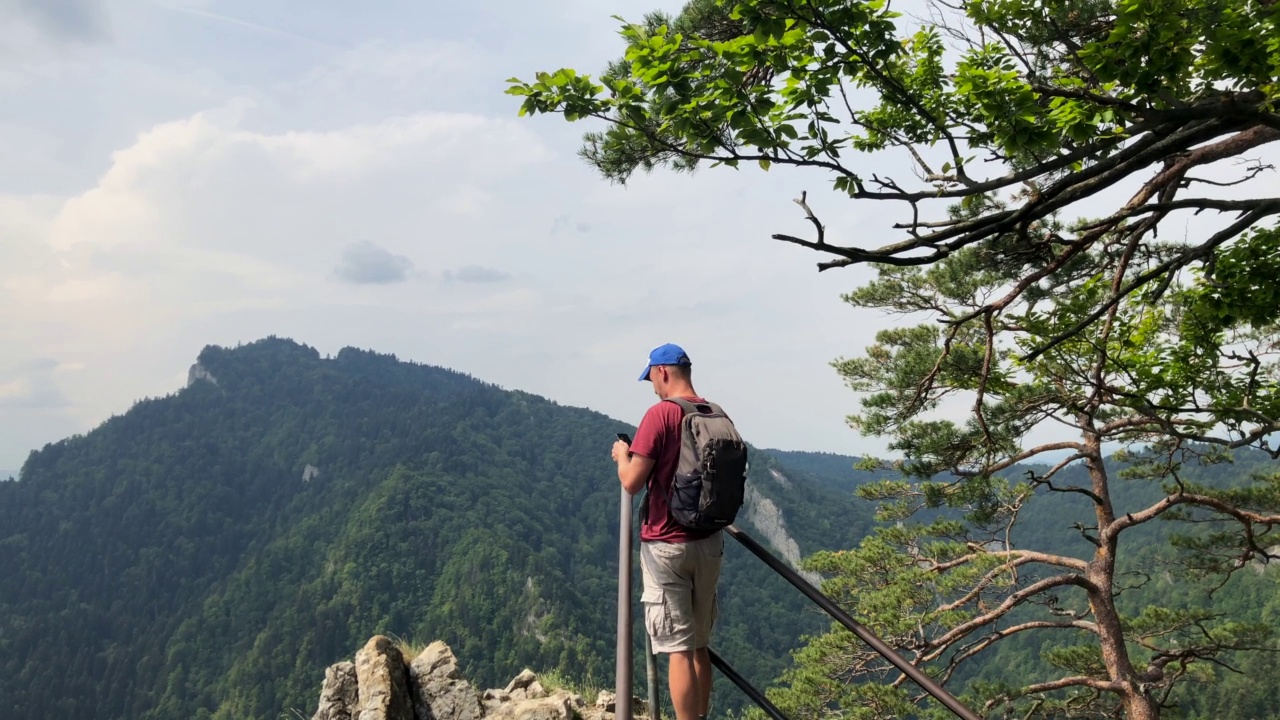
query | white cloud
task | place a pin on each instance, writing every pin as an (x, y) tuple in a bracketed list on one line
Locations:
[(184, 169), (205, 216)]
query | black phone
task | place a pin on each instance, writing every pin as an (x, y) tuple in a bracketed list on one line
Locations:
[(624, 438)]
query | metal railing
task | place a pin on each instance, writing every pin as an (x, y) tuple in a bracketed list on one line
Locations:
[(747, 688), (623, 669)]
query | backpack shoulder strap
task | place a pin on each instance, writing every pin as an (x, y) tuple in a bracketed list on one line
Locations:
[(685, 405), (692, 407)]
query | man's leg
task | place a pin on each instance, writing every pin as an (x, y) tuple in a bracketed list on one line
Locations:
[(689, 677), (702, 668), (683, 679), (668, 608), (708, 556)]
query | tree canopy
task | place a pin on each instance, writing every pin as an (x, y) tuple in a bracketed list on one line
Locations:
[(1034, 326), (1013, 110)]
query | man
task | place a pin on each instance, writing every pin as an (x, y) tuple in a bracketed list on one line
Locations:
[(680, 567)]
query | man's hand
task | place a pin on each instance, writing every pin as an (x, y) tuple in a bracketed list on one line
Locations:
[(620, 451), (633, 470)]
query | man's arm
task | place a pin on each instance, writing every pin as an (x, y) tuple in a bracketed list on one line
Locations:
[(633, 470)]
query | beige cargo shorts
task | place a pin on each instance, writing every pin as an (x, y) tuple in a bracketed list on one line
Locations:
[(679, 597)]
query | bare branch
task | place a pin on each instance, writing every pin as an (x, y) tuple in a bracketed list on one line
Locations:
[(1245, 516), (984, 377), (1067, 682), (1010, 602), (1197, 204), (1030, 453), (808, 214), (1256, 169), (1125, 424), (987, 641), (1021, 556), (984, 583), (1069, 189)]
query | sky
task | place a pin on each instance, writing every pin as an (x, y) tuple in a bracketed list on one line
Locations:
[(183, 173), (191, 172)]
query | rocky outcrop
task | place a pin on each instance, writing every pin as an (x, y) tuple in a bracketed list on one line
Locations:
[(338, 695), (383, 685), (199, 372), (438, 690), (383, 682), (766, 517)]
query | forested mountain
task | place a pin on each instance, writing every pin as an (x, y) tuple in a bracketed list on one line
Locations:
[(208, 553)]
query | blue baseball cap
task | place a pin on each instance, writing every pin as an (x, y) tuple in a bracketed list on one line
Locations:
[(669, 354)]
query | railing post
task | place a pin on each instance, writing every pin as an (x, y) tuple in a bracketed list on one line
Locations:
[(651, 670), (622, 668)]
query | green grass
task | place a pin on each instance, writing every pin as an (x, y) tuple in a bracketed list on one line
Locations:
[(589, 688), (408, 647)]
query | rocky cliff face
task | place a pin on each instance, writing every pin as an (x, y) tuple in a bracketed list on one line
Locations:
[(763, 515), (382, 684)]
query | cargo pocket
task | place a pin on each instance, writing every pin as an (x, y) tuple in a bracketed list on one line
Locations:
[(657, 621)]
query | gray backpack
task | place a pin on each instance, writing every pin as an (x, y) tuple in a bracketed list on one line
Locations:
[(711, 477)]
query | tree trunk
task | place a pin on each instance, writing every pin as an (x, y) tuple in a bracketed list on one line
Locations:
[(1101, 573), (1115, 655), (1140, 706)]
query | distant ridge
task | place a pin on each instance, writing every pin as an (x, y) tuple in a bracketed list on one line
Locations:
[(832, 470)]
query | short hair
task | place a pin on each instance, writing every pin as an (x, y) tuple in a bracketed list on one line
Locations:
[(681, 371)]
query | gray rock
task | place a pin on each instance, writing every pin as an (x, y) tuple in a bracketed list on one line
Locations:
[(383, 682), (378, 686), (525, 686), (494, 698), (607, 704), (439, 693), (338, 695), (555, 707)]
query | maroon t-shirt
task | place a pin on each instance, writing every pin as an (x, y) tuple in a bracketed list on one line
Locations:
[(658, 438)]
